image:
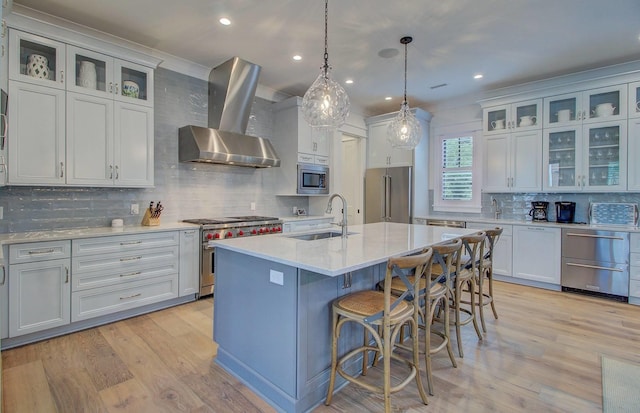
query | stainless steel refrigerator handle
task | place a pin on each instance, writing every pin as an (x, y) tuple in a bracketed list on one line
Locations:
[(387, 196), (572, 234), (383, 209), (635, 207), (595, 267)]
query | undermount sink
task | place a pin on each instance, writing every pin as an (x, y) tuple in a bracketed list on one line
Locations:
[(318, 235)]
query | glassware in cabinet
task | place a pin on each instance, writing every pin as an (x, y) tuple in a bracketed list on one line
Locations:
[(562, 159), (604, 150)]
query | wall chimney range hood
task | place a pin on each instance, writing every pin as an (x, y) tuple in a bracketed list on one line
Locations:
[(232, 88)]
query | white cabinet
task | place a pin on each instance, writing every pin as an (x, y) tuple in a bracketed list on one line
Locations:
[(39, 286), (112, 274), (96, 134), (380, 153), (513, 162), (537, 253), (503, 251), (634, 268), (512, 117), (634, 100), (590, 157), (36, 144), (189, 276), (594, 105), (633, 169)]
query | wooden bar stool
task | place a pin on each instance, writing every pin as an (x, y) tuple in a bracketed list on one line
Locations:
[(486, 275), (382, 315), (431, 298)]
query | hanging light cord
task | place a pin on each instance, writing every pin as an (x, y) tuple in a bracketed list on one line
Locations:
[(405, 41), (326, 38)]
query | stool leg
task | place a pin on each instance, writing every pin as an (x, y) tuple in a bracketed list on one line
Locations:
[(365, 354), (493, 307), (472, 288), (447, 327), (334, 358), (481, 298), (386, 351), (416, 359), (458, 297)]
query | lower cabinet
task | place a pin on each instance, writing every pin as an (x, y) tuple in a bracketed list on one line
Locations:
[(189, 272), (39, 287), (537, 253), (634, 268)]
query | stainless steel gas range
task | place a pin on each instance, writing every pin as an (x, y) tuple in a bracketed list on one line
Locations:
[(212, 229)]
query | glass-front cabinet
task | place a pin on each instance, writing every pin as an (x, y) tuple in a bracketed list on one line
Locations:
[(590, 157), (104, 76), (634, 100), (36, 59), (595, 105), (513, 117)]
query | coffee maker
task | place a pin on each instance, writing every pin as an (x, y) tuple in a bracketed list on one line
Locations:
[(565, 211), (538, 210)]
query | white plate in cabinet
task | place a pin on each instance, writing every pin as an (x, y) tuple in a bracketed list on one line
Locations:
[(39, 251), (109, 269), (124, 243), (107, 300)]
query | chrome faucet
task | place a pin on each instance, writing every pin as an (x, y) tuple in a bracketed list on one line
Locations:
[(496, 210), (343, 224)]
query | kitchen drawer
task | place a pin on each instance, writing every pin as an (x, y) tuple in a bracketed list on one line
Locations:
[(124, 261), (39, 251), (634, 288), (141, 271), (107, 300), (124, 243), (634, 242)]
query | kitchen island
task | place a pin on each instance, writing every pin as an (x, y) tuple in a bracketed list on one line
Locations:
[(272, 314)]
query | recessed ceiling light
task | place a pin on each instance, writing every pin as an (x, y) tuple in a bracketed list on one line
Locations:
[(388, 53), (349, 81), (388, 98), (225, 21), (297, 57), (478, 76)]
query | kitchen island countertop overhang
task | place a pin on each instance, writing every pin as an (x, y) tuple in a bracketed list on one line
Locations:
[(367, 245)]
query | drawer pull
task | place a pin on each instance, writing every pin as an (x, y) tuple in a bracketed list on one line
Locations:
[(131, 296), (66, 281), (131, 274), (573, 234), (49, 251), (131, 243), (130, 259), (595, 267)]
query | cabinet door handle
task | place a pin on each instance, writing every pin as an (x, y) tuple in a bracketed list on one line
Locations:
[(4, 275), (139, 257), (49, 251), (130, 242), (131, 296), (595, 267), (62, 76), (66, 280), (61, 169), (131, 274), (110, 87), (110, 171), (116, 88), (573, 234), (117, 173), (4, 28)]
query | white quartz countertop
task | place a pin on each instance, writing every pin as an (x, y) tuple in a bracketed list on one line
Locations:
[(498, 222), (53, 235), (366, 245)]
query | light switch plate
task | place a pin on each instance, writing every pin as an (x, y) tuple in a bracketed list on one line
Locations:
[(276, 277)]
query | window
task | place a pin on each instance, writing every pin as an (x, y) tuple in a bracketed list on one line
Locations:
[(457, 186)]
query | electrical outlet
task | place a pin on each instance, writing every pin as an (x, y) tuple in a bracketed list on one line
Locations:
[(135, 209)]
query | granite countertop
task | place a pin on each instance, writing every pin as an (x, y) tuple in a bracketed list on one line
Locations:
[(492, 221), (62, 234), (366, 245)]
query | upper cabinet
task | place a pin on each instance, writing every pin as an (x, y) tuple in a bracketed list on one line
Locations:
[(589, 106), (634, 100), (380, 153), (77, 116), (521, 116)]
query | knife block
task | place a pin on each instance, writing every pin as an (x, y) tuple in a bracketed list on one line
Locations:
[(148, 220)]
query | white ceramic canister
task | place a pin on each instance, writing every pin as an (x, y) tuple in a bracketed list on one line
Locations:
[(37, 66), (87, 76)]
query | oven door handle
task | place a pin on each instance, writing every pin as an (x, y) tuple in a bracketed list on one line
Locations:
[(595, 267), (206, 247)]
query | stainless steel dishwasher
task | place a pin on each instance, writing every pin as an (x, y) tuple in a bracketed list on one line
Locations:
[(596, 262)]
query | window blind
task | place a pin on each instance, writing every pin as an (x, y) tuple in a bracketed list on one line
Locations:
[(457, 168)]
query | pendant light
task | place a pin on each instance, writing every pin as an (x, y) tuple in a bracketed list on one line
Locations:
[(326, 104), (404, 132)]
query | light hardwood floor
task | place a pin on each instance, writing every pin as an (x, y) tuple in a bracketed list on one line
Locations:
[(541, 355)]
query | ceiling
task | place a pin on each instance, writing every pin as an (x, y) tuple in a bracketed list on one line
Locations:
[(509, 41)]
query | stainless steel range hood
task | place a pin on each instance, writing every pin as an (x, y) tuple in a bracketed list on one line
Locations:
[(232, 87)]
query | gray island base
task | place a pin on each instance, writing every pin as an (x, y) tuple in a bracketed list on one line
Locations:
[(272, 314)]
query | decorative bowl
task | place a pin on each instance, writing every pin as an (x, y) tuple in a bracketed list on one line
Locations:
[(130, 88)]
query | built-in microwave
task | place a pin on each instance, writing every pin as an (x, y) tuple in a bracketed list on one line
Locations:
[(313, 179)]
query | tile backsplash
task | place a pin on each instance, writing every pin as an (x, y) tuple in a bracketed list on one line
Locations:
[(187, 190)]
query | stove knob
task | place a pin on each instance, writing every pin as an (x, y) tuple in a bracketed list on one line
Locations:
[(278, 229), (273, 229), (240, 233), (216, 235), (254, 231), (229, 234), (210, 236), (262, 230)]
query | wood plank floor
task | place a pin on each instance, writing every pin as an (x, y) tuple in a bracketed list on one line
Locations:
[(542, 354)]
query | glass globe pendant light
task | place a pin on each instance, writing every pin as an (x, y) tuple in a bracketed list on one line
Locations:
[(404, 131), (326, 104)]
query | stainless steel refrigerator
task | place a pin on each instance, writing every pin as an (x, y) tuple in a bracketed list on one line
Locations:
[(387, 195)]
